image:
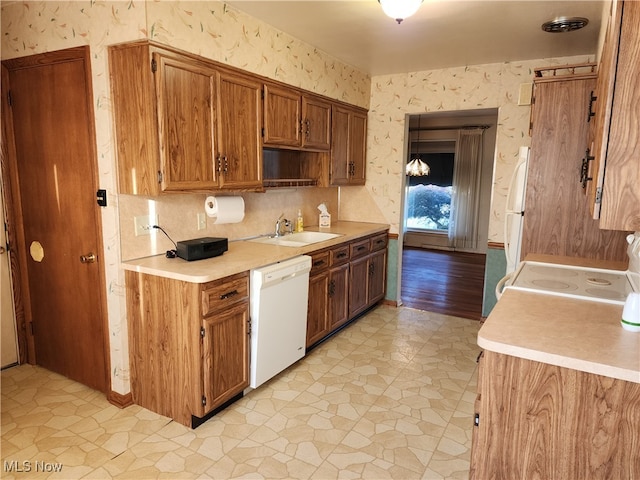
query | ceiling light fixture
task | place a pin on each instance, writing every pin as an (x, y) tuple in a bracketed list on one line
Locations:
[(564, 24), (400, 9)]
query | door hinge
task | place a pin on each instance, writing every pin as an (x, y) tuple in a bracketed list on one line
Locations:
[(202, 332), (154, 65), (9, 98), (598, 195), (204, 400), (249, 326), (159, 176), (262, 131), (476, 420), (262, 93)]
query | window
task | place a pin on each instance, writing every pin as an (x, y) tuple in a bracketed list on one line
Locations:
[(429, 197)]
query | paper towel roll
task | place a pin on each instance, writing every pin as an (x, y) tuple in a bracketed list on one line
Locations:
[(225, 209)]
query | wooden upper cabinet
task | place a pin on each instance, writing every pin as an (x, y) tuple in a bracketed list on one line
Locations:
[(557, 220), (296, 120), (282, 114), (186, 98), (316, 123), (615, 197), (240, 148), (183, 123), (348, 146)]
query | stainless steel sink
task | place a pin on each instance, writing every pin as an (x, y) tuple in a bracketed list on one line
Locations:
[(299, 239)]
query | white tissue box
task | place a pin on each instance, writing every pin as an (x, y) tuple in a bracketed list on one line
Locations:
[(325, 220)]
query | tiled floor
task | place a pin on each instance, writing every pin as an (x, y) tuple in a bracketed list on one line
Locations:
[(391, 396)]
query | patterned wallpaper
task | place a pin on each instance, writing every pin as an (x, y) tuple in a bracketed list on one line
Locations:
[(211, 29)]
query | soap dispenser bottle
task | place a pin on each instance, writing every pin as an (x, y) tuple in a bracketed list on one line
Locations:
[(299, 222)]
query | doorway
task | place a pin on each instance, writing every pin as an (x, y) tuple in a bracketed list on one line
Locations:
[(48, 125), (442, 264)]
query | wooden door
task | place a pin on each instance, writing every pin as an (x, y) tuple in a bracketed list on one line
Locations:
[(186, 118), (282, 117), (316, 123), (54, 182), (239, 143), (225, 355)]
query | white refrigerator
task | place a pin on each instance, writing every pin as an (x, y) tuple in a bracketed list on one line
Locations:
[(515, 211)]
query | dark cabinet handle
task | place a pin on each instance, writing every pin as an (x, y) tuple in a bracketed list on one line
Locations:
[(360, 248), (317, 263), (592, 99), (230, 294), (341, 255), (584, 169)]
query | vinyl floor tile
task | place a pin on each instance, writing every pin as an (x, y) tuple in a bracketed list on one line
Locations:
[(390, 396)]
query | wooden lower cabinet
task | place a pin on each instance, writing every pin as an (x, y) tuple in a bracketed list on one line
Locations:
[(535, 420), (188, 343), (327, 293), (344, 282)]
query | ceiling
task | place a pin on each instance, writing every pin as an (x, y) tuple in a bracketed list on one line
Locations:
[(443, 33)]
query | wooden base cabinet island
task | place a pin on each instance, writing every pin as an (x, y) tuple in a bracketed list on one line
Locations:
[(573, 415), (189, 344)]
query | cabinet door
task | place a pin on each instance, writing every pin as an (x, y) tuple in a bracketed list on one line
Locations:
[(557, 221), (358, 148), (338, 296), (348, 146), (240, 148), (599, 131), (282, 117), (358, 285), (339, 146), (377, 276), (186, 117), (620, 209), (225, 355), (316, 123), (318, 313)]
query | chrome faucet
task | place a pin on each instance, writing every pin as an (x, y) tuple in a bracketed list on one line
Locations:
[(279, 224)]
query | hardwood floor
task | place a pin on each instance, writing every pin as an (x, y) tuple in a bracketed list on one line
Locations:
[(444, 282)]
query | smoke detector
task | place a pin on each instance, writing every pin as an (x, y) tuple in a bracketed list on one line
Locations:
[(564, 24)]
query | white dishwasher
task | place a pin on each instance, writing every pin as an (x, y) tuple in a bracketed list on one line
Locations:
[(279, 294)]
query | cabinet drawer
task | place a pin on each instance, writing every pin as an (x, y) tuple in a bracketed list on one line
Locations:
[(224, 293), (359, 249), (319, 261), (339, 255), (379, 242)]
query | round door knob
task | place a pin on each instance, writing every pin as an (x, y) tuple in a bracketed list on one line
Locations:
[(88, 258)]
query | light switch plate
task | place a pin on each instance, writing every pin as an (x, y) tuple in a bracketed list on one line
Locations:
[(144, 224), (202, 221)]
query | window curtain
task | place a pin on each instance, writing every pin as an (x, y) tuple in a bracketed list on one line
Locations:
[(465, 199)]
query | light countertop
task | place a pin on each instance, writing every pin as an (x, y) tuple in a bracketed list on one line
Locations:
[(578, 334), (245, 255)]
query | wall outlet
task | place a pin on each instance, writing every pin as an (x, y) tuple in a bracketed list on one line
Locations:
[(144, 224), (202, 221)]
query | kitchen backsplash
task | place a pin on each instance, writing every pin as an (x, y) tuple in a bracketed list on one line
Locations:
[(177, 215)]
